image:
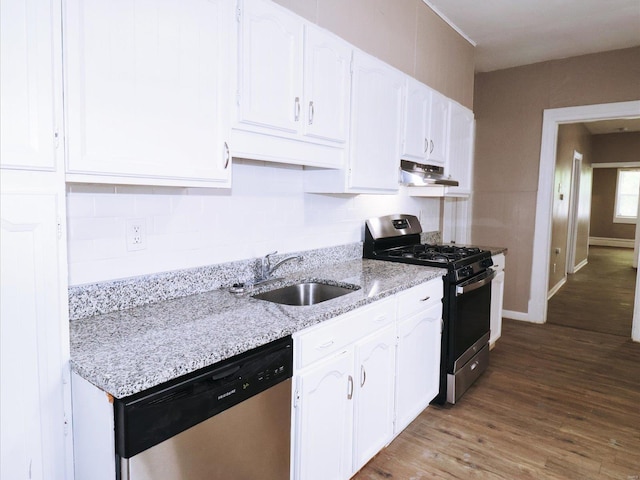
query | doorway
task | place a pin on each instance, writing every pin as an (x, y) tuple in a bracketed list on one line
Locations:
[(542, 237)]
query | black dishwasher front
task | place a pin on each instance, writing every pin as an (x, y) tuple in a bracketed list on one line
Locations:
[(212, 423)]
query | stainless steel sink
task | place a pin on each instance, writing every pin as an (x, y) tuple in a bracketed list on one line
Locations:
[(305, 293)]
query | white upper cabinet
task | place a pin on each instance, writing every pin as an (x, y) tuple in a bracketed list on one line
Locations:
[(29, 84), (376, 120), (438, 129), (292, 99), (426, 116), (327, 76), (415, 144), (270, 80), (460, 156), (145, 85)]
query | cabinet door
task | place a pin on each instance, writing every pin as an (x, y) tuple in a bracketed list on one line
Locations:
[(497, 297), (32, 408), (324, 420), (143, 87), (326, 85), (376, 120), (375, 359), (418, 364), (270, 77), (415, 145), (438, 128), (460, 155), (29, 83)]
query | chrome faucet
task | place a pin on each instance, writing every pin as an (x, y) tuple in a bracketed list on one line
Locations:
[(267, 270)]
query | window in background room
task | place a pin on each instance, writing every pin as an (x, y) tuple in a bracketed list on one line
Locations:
[(627, 188)]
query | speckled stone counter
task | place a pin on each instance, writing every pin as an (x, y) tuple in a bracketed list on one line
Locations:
[(125, 352)]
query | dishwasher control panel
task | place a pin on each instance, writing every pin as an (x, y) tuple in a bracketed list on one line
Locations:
[(150, 417)]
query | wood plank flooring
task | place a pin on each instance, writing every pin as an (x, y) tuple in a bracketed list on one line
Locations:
[(599, 297), (556, 402)]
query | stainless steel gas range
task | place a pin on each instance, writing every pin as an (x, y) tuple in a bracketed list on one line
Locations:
[(466, 295)]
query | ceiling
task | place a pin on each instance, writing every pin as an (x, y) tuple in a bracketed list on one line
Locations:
[(613, 126), (509, 33)]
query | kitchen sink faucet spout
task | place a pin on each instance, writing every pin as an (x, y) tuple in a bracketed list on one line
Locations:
[(267, 269)]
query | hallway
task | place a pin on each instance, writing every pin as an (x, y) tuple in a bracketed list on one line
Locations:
[(599, 297)]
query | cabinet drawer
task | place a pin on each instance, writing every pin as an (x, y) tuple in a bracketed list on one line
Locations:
[(420, 297), (321, 340)]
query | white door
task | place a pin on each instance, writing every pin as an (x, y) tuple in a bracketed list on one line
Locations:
[(324, 420), (375, 376), (270, 77), (29, 87), (327, 84), (418, 364), (376, 123), (438, 128), (143, 88), (32, 407), (415, 132)]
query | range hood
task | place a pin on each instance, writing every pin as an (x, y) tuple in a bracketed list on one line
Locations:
[(414, 174)]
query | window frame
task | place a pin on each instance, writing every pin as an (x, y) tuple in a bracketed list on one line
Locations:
[(621, 218)]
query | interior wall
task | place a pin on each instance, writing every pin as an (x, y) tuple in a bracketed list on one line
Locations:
[(611, 148), (509, 107), (571, 138), (266, 210), (406, 34)]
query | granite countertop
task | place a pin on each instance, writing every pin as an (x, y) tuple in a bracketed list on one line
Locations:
[(125, 352)]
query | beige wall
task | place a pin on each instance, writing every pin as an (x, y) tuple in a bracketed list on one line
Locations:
[(406, 34), (615, 147), (509, 105), (571, 138)]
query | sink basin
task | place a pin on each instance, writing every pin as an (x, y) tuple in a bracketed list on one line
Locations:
[(305, 293)]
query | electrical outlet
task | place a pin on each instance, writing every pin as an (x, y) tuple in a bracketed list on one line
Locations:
[(136, 234)]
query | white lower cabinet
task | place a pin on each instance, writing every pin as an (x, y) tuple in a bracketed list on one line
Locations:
[(374, 392), (361, 378), (497, 297), (417, 364), (324, 419)]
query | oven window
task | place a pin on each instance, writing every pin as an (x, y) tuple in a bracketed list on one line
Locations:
[(469, 319)]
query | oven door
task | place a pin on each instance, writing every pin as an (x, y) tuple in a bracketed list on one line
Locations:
[(469, 316)]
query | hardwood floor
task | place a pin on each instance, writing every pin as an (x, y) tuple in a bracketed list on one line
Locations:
[(556, 402), (599, 297)]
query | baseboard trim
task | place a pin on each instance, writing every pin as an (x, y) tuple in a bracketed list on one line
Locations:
[(580, 265), (556, 287), (520, 316), (612, 242)]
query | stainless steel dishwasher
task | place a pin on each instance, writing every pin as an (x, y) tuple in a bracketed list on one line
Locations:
[(230, 421)]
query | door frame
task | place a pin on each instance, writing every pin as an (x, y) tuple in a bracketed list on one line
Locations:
[(574, 204), (552, 118)]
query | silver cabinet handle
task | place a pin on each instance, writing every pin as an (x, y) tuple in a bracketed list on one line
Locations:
[(426, 145), (425, 298), (363, 375), (296, 113), (311, 112), (227, 155), (431, 149), (350, 389), (326, 344)]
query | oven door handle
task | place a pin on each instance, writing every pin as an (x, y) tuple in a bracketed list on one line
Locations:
[(476, 282)]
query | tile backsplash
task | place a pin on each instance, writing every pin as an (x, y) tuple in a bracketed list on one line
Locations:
[(266, 210)]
